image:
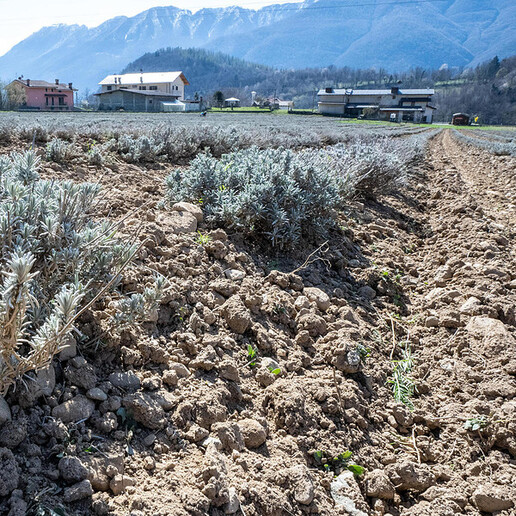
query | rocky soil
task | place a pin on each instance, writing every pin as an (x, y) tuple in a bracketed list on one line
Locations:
[(181, 420)]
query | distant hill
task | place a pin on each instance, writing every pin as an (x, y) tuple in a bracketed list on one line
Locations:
[(204, 70), (393, 34)]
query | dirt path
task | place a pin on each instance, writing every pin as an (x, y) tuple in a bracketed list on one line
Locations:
[(465, 323)]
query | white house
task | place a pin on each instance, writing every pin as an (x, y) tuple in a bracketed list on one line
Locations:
[(164, 82), (156, 91), (411, 105)]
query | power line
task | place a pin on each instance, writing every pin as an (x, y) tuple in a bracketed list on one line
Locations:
[(263, 9)]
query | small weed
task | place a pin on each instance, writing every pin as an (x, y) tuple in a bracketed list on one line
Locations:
[(363, 352), (129, 424), (396, 299), (201, 239), (477, 423), (338, 463), (251, 355), (279, 309), (276, 371), (182, 313), (273, 265), (403, 386)]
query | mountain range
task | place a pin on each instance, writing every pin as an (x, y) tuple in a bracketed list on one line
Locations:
[(393, 34)]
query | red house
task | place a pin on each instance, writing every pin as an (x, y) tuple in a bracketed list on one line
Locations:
[(41, 95)]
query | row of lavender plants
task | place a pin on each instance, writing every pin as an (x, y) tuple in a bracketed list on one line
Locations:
[(140, 138), (285, 198), (498, 148)]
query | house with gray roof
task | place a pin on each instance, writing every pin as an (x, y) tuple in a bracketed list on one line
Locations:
[(395, 104)]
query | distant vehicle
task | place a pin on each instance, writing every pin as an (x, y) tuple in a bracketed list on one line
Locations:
[(460, 119)]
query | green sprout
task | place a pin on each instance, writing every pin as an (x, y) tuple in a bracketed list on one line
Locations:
[(251, 355), (476, 423), (338, 463), (201, 239)]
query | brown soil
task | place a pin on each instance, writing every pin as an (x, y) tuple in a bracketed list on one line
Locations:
[(202, 430)]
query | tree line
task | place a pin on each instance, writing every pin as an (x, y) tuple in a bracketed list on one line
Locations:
[(487, 90)]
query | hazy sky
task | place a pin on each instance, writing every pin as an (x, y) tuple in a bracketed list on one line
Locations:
[(19, 20)]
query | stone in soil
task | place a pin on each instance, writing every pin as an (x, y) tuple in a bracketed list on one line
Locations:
[(410, 476), (72, 470), (189, 208), (182, 222), (97, 394), (492, 498), (5, 411), (119, 483), (9, 474), (74, 410), (346, 494), (145, 410), (302, 484), (320, 298), (234, 503), (78, 491), (236, 315), (253, 432), (126, 380), (12, 433), (378, 485)]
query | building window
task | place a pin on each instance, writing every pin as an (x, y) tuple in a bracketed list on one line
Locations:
[(109, 88), (61, 101), (142, 87), (153, 87), (46, 99)]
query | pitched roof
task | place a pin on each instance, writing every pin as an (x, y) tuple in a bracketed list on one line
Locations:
[(147, 93), (144, 78), (42, 84), (349, 91)]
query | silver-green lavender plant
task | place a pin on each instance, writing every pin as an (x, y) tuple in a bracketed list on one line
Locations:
[(55, 259)]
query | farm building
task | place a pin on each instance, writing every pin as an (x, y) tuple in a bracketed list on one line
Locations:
[(232, 102), (410, 105), (156, 91), (41, 95), (460, 119), (274, 103)]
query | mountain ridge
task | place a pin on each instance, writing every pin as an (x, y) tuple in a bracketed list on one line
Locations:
[(315, 33)]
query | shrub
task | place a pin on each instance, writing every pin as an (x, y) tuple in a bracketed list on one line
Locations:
[(140, 149), (54, 258), (58, 151), (273, 194), (96, 156)]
